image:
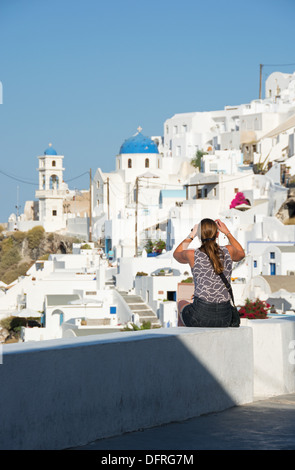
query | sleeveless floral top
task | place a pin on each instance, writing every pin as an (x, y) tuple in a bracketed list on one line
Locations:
[(208, 285)]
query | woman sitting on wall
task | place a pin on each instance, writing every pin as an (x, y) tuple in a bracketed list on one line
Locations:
[(211, 306)]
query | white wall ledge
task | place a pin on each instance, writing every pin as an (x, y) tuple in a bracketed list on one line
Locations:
[(57, 394)]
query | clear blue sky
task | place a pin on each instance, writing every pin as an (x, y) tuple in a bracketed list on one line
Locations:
[(85, 74)]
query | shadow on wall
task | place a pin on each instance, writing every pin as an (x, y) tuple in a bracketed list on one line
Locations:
[(76, 391), (279, 303)]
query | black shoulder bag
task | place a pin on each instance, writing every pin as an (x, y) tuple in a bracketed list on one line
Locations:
[(235, 322)]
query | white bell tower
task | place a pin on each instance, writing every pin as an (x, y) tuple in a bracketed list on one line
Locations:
[(52, 191)]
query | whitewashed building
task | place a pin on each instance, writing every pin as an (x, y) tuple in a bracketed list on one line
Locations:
[(242, 127), (132, 202)]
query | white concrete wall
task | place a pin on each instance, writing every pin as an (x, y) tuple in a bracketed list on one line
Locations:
[(153, 289), (168, 314), (274, 364), (62, 393), (78, 226), (222, 161)]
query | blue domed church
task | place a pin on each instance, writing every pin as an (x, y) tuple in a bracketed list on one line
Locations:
[(137, 155), (132, 190)]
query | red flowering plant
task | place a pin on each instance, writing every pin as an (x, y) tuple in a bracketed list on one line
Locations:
[(254, 310)]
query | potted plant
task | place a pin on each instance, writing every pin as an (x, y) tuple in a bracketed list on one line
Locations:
[(254, 310)]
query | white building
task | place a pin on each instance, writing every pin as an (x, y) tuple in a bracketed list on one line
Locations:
[(71, 292), (52, 191), (238, 127), (130, 200)]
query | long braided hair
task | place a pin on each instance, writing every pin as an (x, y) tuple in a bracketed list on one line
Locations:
[(209, 246)]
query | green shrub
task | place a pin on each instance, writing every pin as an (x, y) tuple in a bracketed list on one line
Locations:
[(146, 325), (14, 272), (6, 244), (35, 236), (44, 257), (5, 322), (18, 237), (9, 258), (157, 246)]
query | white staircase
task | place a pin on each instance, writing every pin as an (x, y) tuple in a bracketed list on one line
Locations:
[(139, 307)]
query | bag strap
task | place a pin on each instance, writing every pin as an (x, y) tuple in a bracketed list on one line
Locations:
[(228, 287), (227, 284)]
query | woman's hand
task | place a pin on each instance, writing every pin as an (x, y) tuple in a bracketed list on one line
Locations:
[(194, 231), (221, 226)]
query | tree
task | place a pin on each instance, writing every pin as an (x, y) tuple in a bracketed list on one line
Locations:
[(196, 161)]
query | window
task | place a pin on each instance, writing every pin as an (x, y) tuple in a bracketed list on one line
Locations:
[(175, 130), (171, 295), (256, 125), (178, 151), (53, 163), (147, 163), (213, 167), (272, 255), (54, 212), (255, 263), (184, 128), (129, 163)]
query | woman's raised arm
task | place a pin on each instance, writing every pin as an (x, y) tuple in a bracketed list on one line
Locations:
[(181, 252), (236, 251)]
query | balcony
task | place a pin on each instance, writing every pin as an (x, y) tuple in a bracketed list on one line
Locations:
[(50, 193)]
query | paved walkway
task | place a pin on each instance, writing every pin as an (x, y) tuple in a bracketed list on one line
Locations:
[(262, 425)]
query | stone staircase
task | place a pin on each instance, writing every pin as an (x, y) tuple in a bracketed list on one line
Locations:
[(138, 306), (111, 283)]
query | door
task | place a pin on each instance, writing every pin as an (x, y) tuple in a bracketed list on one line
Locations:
[(272, 269)]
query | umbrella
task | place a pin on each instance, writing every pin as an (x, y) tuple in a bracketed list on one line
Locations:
[(243, 207), (26, 312)]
